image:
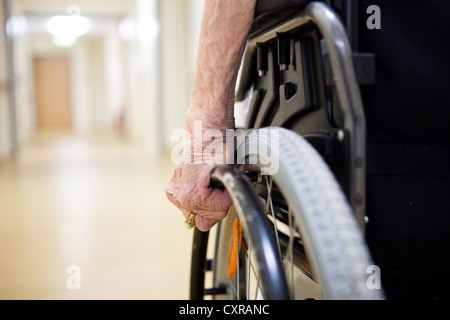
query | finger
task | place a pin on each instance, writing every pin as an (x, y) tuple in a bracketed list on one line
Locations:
[(213, 198), (204, 222), (186, 212), (221, 198), (213, 215), (170, 196), (217, 200), (204, 180), (173, 188), (169, 193)]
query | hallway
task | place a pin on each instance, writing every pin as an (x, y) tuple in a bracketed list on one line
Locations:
[(94, 201)]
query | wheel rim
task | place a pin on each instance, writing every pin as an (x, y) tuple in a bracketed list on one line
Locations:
[(352, 255)]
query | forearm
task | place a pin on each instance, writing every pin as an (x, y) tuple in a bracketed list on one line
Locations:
[(223, 35)]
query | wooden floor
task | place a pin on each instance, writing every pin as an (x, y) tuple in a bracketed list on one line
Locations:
[(93, 205)]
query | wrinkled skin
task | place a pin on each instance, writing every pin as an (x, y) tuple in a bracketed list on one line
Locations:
[(223, 35), (190, 190)]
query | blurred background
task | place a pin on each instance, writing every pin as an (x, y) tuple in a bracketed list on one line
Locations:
[(90, 93)]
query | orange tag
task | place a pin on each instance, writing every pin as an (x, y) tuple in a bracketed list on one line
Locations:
[(234, 246)]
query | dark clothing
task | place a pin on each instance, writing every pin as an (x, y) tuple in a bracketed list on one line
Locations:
[(408, 146)]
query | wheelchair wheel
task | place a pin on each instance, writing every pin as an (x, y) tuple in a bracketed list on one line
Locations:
[(321, 247), (304, 108)]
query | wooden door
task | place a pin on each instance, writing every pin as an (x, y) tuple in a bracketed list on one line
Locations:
[(52, 89)]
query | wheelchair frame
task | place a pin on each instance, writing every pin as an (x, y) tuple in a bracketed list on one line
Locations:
[(344, 78), (352, 134)]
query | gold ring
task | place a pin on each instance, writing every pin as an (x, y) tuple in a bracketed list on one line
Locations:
[(190, 221)]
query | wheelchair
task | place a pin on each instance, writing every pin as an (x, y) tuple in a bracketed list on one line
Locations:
[(311, 228)]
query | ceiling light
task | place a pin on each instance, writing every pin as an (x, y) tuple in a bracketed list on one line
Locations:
[(68, 27)]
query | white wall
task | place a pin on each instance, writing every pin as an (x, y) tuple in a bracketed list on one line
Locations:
[(181, 20), (24, 100), (113, 74), (89, 108), (5, 138), (141, 72)]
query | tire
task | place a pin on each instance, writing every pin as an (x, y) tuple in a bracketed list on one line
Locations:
[(337, 259)]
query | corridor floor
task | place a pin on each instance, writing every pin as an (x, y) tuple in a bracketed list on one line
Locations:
[(84, 216)]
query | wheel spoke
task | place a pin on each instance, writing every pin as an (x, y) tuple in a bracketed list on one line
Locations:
[(238, 283), (291, 251), (249, 261), (269, 204)]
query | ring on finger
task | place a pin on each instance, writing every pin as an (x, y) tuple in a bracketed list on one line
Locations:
[(190, 221)]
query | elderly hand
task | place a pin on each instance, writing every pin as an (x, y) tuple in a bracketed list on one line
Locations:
[(190, 190)]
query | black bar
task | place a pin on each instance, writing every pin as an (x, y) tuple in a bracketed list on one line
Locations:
[(255, 224), (198, 264)]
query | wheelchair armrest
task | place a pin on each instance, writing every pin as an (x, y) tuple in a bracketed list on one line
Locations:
[(269, 12), (265, 6)]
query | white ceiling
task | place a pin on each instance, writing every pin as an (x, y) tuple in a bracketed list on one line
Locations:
[(87, 7), (100, 12)]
